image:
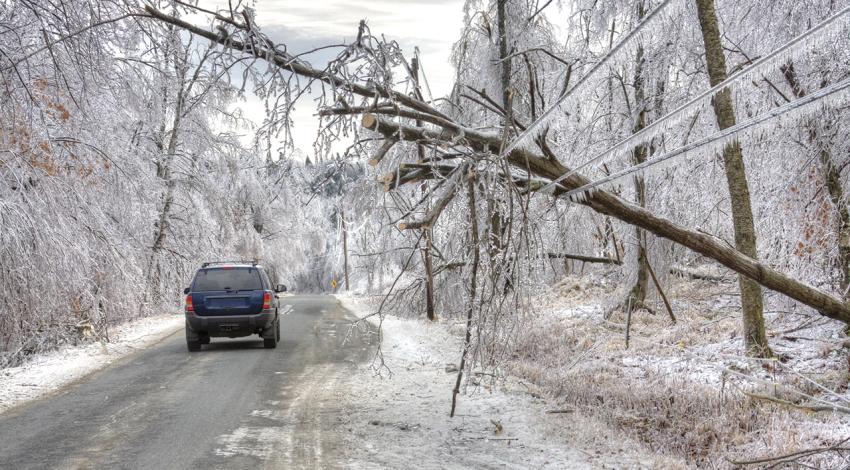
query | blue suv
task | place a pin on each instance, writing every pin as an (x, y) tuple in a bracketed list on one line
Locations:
[(231, 299)]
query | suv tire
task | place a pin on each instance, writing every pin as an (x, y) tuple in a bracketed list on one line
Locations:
[(271, 343), (193, 343)]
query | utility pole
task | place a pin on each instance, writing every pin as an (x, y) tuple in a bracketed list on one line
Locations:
[(344, 246), (426, 235)]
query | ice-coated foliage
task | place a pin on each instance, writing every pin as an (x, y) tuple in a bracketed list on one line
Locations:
[(121, 170), (119, 174)]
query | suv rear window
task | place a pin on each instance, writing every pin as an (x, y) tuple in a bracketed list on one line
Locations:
[(227, 279)]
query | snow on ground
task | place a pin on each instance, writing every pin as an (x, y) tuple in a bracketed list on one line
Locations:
[(46, 373), (401, 418), (682, 388)]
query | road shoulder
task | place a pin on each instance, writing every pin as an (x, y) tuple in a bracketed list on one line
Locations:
[(399, 413), (45, 374)]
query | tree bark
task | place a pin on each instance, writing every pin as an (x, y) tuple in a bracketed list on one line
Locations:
[(504, 58), (752, 302), (636, 297), (430, 307), (832, 177)]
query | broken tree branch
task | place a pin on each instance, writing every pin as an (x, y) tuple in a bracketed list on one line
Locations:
[(431, 218), (683, 272), (382, 152), (808, 408), (787, 458), (660, 291), (473, 287), (292, 64), (583, 258)]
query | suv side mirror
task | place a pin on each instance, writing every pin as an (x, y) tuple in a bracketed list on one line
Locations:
[(280, 288), (186, 291)]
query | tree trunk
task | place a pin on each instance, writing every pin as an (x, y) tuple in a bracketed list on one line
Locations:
[(636, 298), (832, 177), (752, 302), (429, 276), (505, 61), (608, 234)]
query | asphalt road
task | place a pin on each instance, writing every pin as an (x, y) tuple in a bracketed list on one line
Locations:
[(232, 405)]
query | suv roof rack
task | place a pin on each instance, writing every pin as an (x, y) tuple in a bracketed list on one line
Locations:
[(253, 262)]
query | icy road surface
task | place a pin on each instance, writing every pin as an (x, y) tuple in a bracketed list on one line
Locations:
[(232, 405)]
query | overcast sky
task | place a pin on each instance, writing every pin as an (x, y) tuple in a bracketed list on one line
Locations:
[(433, 26)]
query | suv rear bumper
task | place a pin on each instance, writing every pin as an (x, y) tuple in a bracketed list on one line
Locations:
[(230, 326)]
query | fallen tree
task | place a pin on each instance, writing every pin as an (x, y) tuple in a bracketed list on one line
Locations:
[(606, 203), (384, 118)]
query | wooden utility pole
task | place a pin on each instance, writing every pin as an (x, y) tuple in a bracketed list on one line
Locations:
[(426, 234), (498, 222), (344, 246)]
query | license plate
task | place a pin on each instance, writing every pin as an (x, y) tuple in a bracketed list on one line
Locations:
[(227, 327)]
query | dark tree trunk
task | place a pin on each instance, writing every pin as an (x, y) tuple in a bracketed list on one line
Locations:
[(636, 297), (503, 53)]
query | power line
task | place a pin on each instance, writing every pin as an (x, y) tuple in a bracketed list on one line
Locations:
[(647, 133), (614, 50), (724, 136)]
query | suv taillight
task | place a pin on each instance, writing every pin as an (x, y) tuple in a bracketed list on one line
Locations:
[(189, 306), (267, 300)]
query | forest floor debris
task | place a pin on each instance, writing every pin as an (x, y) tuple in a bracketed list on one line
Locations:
[(401, 417), (43, 374), (684, 389)]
